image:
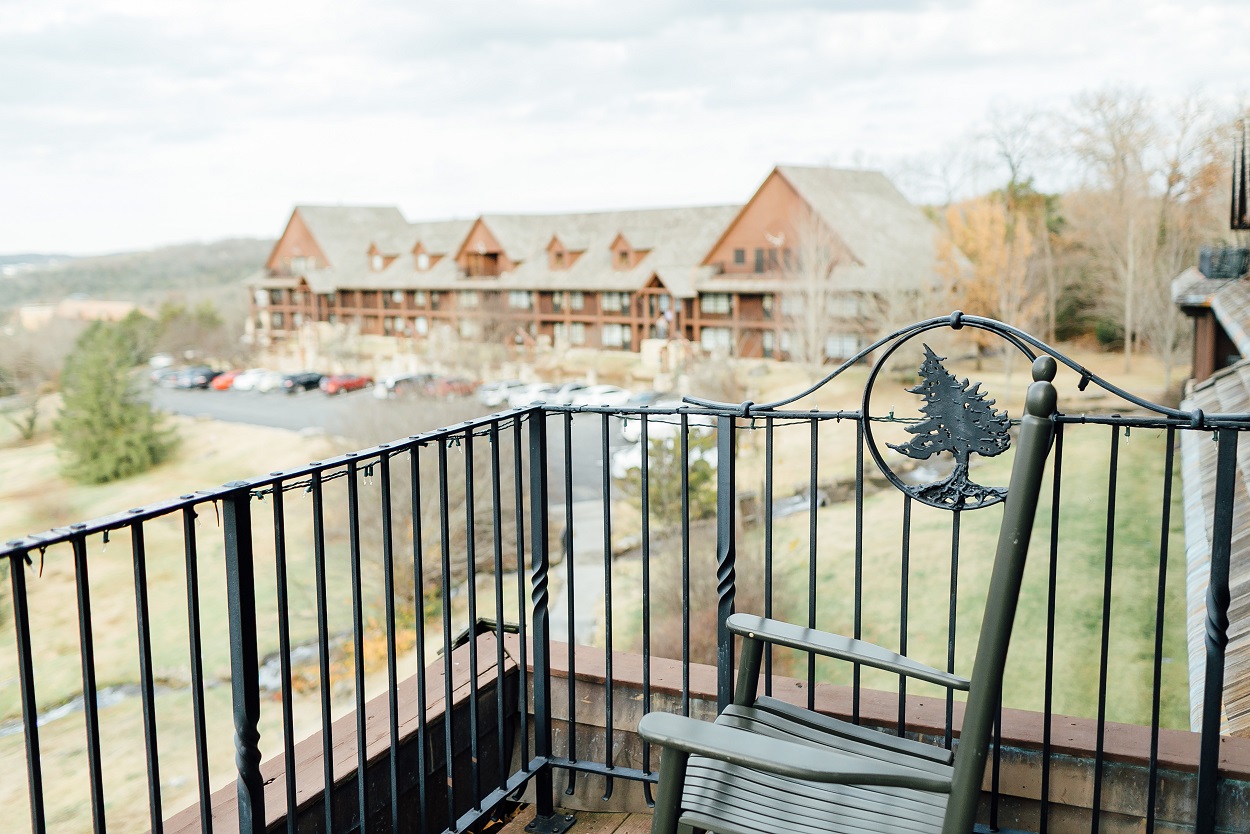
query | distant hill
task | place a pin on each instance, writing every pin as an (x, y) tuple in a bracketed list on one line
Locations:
[(187, 269), (30, 259)]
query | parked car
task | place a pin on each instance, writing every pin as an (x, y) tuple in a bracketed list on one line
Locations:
[(665, 425), (603, 395), (401, 385), (302, 381), (223, 381), (450, 386), (527, 394), (645, 398), (495, 394), (196, 376), (339, 383), (249, 379), (164, 377), (565, 393), (629, 458)]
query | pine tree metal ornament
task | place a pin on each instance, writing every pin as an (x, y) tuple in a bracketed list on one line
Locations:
[(958, 419)]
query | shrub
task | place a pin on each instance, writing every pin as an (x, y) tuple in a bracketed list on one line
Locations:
[(105, 431)]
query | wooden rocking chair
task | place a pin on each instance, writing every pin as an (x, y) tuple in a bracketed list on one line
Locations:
[(766, 767)]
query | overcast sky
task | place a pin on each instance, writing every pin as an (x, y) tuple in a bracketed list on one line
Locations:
[(133, 124)]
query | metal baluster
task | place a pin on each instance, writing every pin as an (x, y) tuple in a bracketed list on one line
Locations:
[(1051, 585), (606, 468), (811, 559), (91, 710), (768, 547), (497, 542), (191, 556), (392, 672), (323, 648), (956, 519), (358, 642), (570, 595), (444, 516), (1152, 790), (26, 679), (726, 556), (1105, 655), (418, 590), (543, 786), (471, 585), (685, 563), (518, 490), (646, 596), (284, 654), (244, 659), (244, 743), (904, 573), (1217, 631), (858, 626)]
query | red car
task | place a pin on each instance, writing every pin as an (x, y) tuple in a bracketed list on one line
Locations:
[(450, 386), (222, 382), (339, 383)]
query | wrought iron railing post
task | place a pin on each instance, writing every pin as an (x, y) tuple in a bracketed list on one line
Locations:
[(726, 556), (244, 665), (1217, 631), (541, 632), (26, 678)]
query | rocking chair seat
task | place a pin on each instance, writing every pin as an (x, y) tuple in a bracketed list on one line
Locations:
[(738, 800)]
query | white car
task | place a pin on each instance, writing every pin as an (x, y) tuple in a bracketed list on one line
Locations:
[(629, 458), (603, 395), (528, 394), (495, 394), (250, 379), (665, 425), (567, 393)]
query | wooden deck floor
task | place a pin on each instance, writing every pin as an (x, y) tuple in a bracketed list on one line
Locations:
[(587, 823)]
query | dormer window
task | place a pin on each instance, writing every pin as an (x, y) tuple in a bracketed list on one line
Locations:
[(558, 256), (624, 255), (376, 262), (423, 261)]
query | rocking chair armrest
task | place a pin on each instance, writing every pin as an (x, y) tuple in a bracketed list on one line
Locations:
[(784, 758), (844, 648)]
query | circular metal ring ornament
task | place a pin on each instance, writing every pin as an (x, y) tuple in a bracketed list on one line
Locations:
[(957, 418)]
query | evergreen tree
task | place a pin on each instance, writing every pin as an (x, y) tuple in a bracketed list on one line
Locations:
[(959, 420), (105, 431)]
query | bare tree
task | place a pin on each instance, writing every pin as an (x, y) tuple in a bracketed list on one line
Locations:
[(30, 367), (1113, 135), (809, 302)]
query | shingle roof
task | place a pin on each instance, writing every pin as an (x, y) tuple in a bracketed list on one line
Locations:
[(1231, 305), (340, 231), (1225, 392), (893, 242)]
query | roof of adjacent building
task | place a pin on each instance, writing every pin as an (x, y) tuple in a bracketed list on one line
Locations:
[(1225, 392), (891, 241)]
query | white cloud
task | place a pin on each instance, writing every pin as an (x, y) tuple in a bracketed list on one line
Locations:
[(138, 123)]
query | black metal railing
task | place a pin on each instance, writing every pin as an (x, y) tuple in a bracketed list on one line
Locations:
[(538, 537)]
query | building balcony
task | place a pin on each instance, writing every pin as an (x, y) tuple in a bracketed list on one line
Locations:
[(491, 611)]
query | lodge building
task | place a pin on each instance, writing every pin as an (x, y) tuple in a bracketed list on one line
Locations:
[(721, 277)]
